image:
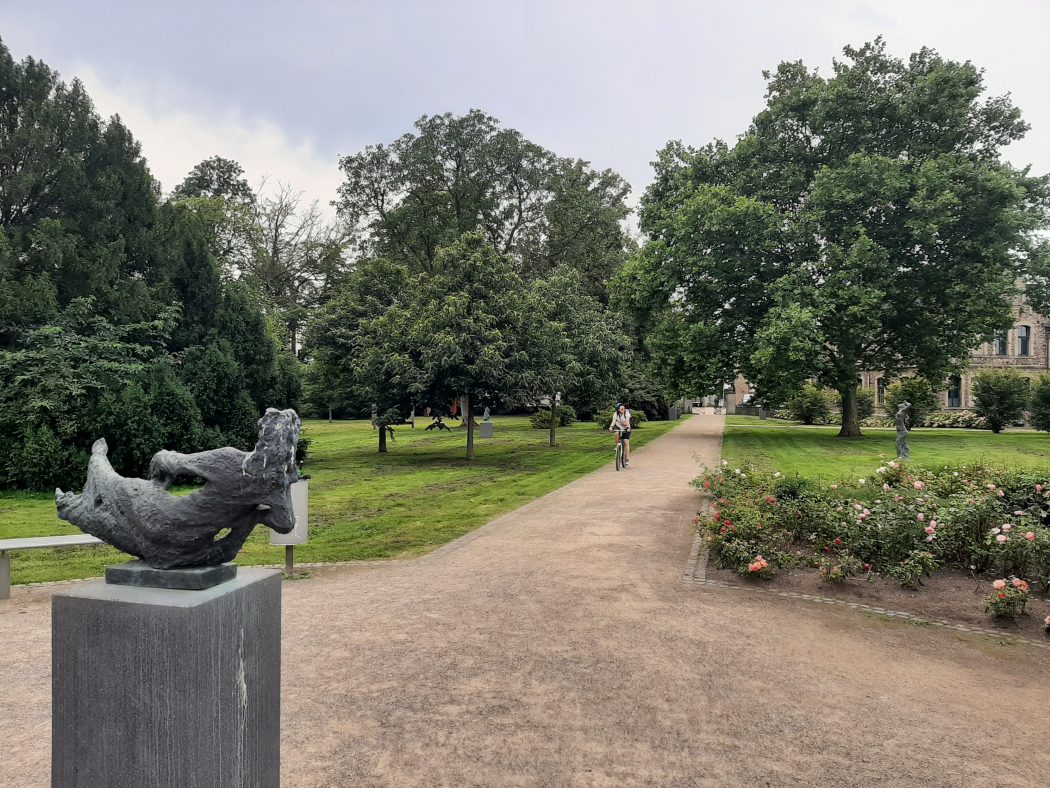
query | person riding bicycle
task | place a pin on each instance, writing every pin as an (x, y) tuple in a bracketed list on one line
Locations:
[(621, 425)]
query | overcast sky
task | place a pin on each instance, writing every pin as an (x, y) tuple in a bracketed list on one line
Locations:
[(286, 88)]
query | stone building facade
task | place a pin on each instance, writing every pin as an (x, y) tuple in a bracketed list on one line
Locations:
[(1025, 347)]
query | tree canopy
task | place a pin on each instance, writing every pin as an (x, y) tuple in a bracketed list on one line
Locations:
[(115, 320), (457, 174), (865, 220)]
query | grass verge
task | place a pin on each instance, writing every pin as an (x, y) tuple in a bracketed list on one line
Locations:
[(364, 505), (818, 453)]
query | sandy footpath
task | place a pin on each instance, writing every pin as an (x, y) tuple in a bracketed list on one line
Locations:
[(558, 646)]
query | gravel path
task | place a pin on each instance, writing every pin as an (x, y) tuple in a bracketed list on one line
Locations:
[(558, 646)]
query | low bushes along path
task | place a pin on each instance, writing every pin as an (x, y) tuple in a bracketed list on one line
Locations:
[(558, 645)]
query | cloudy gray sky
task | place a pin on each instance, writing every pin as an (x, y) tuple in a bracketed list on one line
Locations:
[(286, 88)]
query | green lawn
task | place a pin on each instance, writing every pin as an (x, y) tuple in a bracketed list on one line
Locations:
[(364, 505), (818, 453)]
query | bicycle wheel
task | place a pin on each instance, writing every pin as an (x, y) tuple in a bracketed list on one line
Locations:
[(619, 456)]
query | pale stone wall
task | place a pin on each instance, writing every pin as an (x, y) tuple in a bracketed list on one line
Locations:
[(1032, 364)]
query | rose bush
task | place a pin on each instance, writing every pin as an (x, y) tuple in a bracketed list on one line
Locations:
[(902, 522)]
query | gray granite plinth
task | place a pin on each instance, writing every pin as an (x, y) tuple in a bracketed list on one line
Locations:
[(167, 689), (485, 429), (197, 578)]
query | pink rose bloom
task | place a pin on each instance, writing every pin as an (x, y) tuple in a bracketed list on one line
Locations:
[(999, 585), (1001, 538), (866, 513), (918, 485), (885, 487), (1007, 527), (920, 517), (930, 538), (997, 530), (1018, 513), (990, 487), (858, 507), (930, 529), (1030, 536), (1001, 494), (933, 523), (1039, 488)]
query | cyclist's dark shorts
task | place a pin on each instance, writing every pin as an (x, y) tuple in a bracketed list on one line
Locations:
[(625, 435)]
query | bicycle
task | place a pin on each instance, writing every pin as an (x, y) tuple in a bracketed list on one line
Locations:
[(619, 451)]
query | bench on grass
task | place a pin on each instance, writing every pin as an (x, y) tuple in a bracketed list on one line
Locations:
[(34, 543)]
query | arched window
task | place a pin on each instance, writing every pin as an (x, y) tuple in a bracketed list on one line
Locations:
[(1024, 341), (1001, 345), (880, 389), (954, 392)]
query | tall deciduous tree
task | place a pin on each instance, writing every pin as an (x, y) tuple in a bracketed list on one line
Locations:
[(459, 174), (468, 323), (218, 193), (296, 254), (864, 221), (359, 344), (575, 348)]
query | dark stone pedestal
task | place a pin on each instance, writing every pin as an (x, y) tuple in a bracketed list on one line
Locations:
[(197, 578), (167, 689)]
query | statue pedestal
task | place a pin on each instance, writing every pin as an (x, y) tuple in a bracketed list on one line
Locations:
[(167, 688), (485, 429)]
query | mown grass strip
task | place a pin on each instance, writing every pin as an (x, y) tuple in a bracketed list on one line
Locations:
[(364, 505)]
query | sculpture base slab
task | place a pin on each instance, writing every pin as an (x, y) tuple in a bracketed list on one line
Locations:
[(485, 429), (194, 578), (167, 688)]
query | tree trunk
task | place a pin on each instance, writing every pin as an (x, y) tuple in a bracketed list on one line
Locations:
[(329, 415), (469, 416), (554, 420), (382, 439), (850, 415)]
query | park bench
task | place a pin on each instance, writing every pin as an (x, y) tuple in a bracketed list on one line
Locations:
[(33, 543)]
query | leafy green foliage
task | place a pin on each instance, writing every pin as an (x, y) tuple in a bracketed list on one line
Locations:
[(865, 220), (1040, 403), (865, 403), (113, 304), (1000, 397), (810, 405), (918, 392), (905, 527), (459, 174), (541, 419)]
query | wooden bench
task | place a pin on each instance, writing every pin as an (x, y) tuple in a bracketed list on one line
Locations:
[(34, 543)]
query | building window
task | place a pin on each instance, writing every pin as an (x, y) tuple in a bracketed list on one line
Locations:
[(1001, 345), (1024, 341), (954, 392), (880, 389)]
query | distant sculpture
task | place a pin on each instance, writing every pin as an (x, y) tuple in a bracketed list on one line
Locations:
[(903, 452), (241, 490), (485, 415)]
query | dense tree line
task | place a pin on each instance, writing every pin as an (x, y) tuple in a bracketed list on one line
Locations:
[(116, 318), (865, 220), (484, 277)]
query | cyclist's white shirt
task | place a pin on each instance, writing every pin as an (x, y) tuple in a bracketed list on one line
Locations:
[(622, 422)]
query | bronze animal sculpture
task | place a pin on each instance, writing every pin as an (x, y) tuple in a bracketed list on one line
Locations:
[(241, 490)]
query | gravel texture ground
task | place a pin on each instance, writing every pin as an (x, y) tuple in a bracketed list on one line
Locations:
[(558, 645)]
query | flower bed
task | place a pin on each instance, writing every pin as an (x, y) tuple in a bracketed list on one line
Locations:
[(987, 529)]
